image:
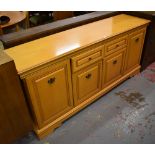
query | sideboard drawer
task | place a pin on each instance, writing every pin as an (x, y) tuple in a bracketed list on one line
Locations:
[(86, 58), (115, 45)]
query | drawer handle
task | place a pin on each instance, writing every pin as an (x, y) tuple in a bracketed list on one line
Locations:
[(51, 80), (117, 45), (88, 76), (115, 62), (90, 59), (137, 39)]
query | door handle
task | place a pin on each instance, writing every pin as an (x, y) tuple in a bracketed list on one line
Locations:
[(51, 80), (90, 59), (137, 39), (115, 62), (88, 76), (117, 46)]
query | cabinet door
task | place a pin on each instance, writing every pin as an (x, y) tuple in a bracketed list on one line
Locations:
[(50, 93), (113, 67), (136, 40), (87, 82)]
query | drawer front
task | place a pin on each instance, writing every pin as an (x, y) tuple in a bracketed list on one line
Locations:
[(44, 89), (86, 58), (115, 45), (113, 67), (87, 82)]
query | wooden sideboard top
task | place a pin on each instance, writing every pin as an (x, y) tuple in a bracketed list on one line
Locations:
[(40, 51)]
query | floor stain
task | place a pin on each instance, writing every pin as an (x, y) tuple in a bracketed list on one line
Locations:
[(118, 107), (148, 116), (131, 128), (135, 99), (117, 134)]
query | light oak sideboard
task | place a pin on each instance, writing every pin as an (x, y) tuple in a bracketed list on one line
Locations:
[(65, 72)]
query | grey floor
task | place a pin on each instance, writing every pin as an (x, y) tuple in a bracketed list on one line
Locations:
[(124, 115)]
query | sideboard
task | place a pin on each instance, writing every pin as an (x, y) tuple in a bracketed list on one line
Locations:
[(64, 72)]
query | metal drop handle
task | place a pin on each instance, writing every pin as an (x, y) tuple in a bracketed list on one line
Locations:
[(137, 39), (90, 59), (117, 45), (115, 62), (51, 80), (88, 76)]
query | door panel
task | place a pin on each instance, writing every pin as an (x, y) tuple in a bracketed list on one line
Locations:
[(113, 67), (134, 50), (50, 93), (87, 82), (49, 88)]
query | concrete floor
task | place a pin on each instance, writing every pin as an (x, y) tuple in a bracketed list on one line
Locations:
[(124, 115)]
